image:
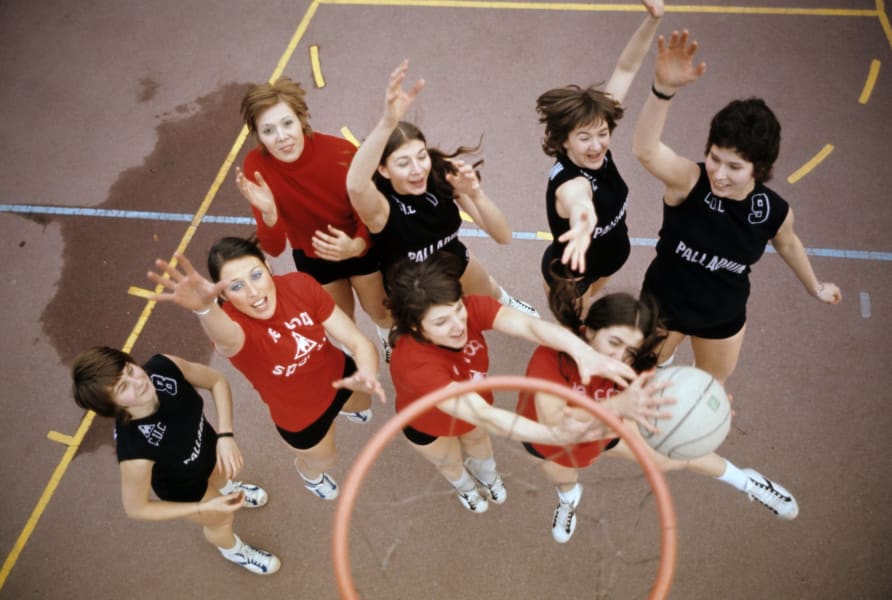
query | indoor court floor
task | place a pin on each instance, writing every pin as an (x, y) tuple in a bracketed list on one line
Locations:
[(122, 124)]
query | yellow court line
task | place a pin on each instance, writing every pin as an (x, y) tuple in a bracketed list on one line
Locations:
[(571, 6), (870, 82), (544, 235), (140, 292), (62, 438), (811, 164), (87, 420), (348, 135), (317, 67), (884, 21)]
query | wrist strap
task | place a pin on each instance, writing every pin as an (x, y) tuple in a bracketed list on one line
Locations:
[(659, 94), (223, 434)]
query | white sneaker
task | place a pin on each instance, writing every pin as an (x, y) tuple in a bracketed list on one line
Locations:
[(388, 350), (325, 487), (473, 501), (524, 307), (360, 416), (254, 495), (564, 522), (494, 491), (771, 495), (253, 559)]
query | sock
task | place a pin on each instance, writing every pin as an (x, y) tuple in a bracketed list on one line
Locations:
[(667, 362), (504, 298), (465, 483), (383, 334), (316, 481), (231, 552), (572, 496), (733, 476), (483, 469)]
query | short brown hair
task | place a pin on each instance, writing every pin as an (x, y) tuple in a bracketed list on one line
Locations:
[(263, 96), (94, 374), (564, 109)]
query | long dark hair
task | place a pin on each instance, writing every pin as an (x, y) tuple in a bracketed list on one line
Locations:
[(608, 310), (414, 287), (440, 164)]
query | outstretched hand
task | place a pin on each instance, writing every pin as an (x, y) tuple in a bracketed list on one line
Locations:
[(577, 240), (594, 363), (641, 404), (258, 194), (675, 62), (186, 288), (364, 383), (229, 457), (464, 180), (397, 100)]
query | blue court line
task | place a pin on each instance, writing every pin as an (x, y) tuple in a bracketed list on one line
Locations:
[(31, 209)]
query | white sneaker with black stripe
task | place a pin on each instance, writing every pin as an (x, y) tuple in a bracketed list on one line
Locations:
[(253, 559), (473, 500), (563, 524), (771, 495), (324, 487), (360, 416), (254, 495)]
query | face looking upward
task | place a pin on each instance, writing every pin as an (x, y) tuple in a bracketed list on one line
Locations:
[(730, 175), (281, 132), (620, 342), (407, 168), (446, 325), (587, 145), (133, 389), (251, 288)]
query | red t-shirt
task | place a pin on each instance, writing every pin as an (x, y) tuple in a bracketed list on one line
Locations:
[(418, 368), (310, 194), (288, 358), (547, 363)]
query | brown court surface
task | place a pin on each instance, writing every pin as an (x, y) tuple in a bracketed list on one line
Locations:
[(131, 106)]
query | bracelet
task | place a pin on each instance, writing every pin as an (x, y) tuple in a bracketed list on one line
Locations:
[(201, 313), (661, 95), (225, 434)]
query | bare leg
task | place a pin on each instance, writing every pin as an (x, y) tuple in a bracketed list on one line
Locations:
[(718, 357), (667, 350), (370, 290), (475, 280), (563, 478), (314, 461), (216, 526), (445, 454), (358, 402), (342, 293)]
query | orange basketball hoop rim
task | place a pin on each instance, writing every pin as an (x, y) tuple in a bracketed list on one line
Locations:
[(376, 445)]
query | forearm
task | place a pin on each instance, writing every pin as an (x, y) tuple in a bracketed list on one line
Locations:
[(632, 56), (474, 409), (793, 253), (225, 333), (491, 218), (367, 157), (161, 510), (649, 127), (222, 395)]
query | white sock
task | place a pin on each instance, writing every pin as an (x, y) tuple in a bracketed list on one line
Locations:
[(504, 298), (483, 468), (733, 476), (383, 334), (572, 496), (667, 362), (465, 483), (231, 552)]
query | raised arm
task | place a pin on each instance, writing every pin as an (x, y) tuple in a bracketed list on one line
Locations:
[(188, 289), (370, 204), (790, 248), (271, 232), (474, 201), (229, 456), (340, 327), (675, 69), (633, 54), (538, 331)]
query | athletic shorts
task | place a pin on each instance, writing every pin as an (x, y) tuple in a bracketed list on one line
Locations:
[(326, 271), (455, 247), (192, 489), (418, 437), (310, 436), (605, 266), (531, 450)]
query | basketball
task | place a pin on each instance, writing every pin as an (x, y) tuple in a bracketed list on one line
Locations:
[(701, 415)]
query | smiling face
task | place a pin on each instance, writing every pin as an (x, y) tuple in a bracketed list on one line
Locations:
[(407, 168), (730, 175), (134, 391), (251, 288), (446, 325), (621, 342), (281, 132), (587, 145)]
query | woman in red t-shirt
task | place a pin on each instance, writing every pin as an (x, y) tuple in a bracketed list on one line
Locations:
[(278, 331), (626, 329), (295, 182), (438, 342)]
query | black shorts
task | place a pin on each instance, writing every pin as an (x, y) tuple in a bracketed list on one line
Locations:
[(192, 489), (310, 436), (722, 331), (418, 437), (531, 450), (326, 271), (603, 265)]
